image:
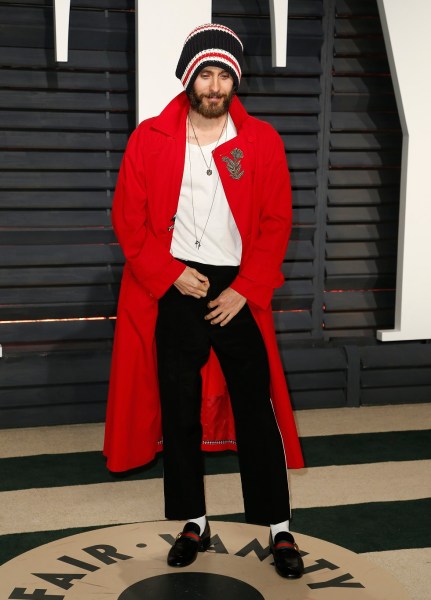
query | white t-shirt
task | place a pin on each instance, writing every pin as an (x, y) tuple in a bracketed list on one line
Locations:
[(203, 213)]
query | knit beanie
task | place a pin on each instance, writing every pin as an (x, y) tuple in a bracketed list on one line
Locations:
[(210, 45)]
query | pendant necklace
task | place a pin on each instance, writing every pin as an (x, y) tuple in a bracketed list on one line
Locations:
[(198, 242), (208, 166)]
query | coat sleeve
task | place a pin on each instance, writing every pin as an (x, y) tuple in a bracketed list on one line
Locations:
[(151, 263), (260, 270)]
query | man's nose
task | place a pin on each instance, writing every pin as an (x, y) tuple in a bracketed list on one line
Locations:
[(215, 84)]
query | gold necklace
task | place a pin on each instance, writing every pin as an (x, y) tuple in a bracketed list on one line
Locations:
[(208, 166)]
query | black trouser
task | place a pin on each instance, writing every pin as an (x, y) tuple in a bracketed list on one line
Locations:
[(184, 340)]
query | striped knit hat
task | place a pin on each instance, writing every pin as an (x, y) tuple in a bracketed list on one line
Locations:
[(210, 45)]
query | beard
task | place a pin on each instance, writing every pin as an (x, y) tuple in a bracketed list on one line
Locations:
[(210, 111)]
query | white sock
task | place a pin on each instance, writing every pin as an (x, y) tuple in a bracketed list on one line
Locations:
[(200, 521), (283, 526)]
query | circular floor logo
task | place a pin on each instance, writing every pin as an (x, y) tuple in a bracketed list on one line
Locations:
[(197, 585), (128, 562)]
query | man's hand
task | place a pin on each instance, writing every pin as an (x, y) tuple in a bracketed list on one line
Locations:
[(225, 307), (192, 283)]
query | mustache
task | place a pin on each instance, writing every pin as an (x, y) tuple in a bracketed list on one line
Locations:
[(214, 95)]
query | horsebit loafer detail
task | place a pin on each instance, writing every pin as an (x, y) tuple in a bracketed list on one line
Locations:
[(287, 559), (187, 545)]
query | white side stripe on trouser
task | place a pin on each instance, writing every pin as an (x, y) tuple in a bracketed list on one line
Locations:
[(285, 459)]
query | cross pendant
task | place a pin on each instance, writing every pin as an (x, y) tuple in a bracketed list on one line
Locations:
[(197, 244)]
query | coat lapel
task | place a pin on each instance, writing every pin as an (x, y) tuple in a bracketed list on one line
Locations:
[(235, 161), (165, 159)]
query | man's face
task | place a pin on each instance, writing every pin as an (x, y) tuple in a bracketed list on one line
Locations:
[(212, 92)]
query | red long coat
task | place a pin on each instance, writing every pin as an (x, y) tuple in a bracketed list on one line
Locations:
[(145, 201)]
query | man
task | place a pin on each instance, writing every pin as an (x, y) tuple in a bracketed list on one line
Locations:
[(202, 211)]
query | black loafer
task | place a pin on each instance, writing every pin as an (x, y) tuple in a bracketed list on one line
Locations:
[(188, 544), (287, 559)]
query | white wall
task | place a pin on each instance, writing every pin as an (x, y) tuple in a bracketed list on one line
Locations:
[(406, 27), (163, 27), (61, 29)]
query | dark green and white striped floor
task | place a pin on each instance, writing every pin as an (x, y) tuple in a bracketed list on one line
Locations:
[(367, 487)]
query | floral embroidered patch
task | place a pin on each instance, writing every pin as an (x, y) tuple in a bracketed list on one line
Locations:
[(234, 165)]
